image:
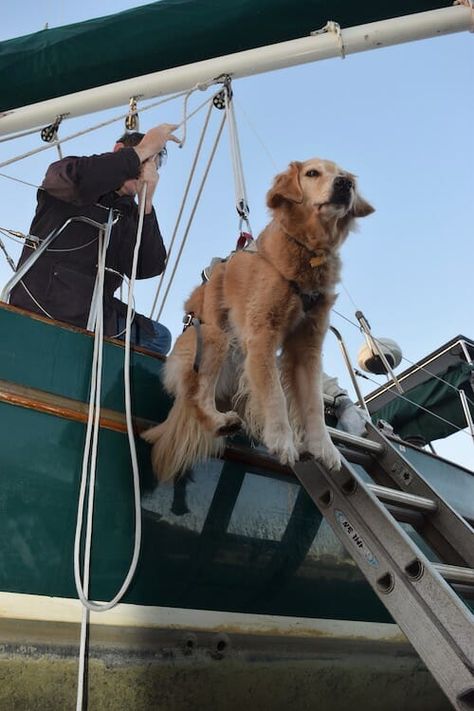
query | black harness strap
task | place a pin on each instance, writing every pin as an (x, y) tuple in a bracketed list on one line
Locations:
[(307, 300), (192, 320)]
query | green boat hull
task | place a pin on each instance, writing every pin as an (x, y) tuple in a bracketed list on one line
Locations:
[(251, 543)]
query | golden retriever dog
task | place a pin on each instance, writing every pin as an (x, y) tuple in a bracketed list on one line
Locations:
[(263, 316)]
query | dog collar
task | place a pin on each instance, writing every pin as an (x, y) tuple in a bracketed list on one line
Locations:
[(317, 258)]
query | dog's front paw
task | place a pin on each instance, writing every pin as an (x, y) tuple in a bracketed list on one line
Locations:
[(280, 442), (325, 452)]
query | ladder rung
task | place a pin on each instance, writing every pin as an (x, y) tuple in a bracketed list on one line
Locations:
[(352, 441), (401, 497), (455, 573)]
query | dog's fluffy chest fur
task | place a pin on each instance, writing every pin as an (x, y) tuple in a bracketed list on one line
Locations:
[(310, 269)]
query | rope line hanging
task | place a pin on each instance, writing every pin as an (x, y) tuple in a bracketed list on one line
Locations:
[(89, 465), (193, 212), (335, 29), (181, 208), (241, 202)]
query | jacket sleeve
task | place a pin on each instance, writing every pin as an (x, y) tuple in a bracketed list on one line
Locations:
[(83, 180), (331, 387), (152, 255)]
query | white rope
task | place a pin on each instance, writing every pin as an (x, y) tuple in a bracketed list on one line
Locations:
[(185, 119), (46, 313), (334, 28), (469, 4), (241, 202), (181, 209), (193, 211), (90, 454)]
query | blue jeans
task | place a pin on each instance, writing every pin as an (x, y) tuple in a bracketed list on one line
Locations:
[(159, 341)]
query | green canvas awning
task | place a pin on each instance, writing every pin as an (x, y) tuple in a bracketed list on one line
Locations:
[(411, 422), (432, 384), (166, 34)]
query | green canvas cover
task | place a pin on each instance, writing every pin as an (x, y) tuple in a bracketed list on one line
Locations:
[(408, 420), (165, 34)]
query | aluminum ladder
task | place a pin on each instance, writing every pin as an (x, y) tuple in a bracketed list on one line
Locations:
[(366, 518)]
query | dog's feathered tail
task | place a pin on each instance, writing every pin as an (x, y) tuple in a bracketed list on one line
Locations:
[(180, 442)]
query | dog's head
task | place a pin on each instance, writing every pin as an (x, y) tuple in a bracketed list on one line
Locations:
[(317, 191)]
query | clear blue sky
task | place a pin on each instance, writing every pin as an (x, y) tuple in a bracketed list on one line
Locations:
[(399, 117)]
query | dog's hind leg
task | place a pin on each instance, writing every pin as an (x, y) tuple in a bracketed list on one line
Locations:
[(214, 353)]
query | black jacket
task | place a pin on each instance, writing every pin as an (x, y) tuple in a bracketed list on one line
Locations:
[(63, 281)]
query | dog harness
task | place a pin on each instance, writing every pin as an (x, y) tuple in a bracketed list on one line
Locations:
[(191, 320), (307, 300)]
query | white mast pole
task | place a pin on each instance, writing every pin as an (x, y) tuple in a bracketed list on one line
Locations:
[(314, 48)]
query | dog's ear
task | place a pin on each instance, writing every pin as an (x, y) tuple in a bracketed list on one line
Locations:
[(286, 187), (361, 207)]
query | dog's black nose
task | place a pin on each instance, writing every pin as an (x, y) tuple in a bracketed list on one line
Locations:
[(341, 190), (343, 184)]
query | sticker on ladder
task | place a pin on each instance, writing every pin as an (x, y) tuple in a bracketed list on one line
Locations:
[(356, 539)]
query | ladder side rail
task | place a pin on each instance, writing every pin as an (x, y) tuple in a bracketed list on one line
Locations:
[(427, 526), (435, 620), (446, 530)]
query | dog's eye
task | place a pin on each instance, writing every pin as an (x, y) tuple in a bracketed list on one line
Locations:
[(313, 173)]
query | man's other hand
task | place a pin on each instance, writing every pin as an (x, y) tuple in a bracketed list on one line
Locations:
[(155, 140)]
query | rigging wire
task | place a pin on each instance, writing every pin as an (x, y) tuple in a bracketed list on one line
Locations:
[(21, 134), (241, 202), (181, 209), (193, 212), (102, 124), (416, 404), (256, 134), (422, 368), (19, 180), (12, 235)]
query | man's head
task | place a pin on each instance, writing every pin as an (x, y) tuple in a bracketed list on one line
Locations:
[(128, 140)]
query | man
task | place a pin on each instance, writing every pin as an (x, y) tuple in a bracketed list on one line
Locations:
[(61, 282), (350, 418)]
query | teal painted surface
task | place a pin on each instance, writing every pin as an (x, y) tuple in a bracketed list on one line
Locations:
[(249, 544), (58, 360)]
